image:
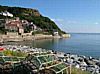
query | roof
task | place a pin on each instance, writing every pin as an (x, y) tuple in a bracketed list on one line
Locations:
[(14, 23), (1, 49)]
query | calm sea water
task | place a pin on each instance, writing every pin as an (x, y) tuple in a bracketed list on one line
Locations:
[(81, 44)]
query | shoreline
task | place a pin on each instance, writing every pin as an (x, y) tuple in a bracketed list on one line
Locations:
[(13, 38), (79, 62)]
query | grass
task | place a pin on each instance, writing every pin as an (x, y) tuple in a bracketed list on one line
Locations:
[(78, 71), (14, 53)]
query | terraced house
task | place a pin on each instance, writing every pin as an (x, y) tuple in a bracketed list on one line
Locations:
[(13, 25)]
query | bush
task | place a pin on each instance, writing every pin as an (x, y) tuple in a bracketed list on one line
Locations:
[(14, 53), (78, 71)]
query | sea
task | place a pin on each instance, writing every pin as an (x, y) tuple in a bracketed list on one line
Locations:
[(87, 44)]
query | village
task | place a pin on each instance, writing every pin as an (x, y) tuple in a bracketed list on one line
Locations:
[(20, 30)]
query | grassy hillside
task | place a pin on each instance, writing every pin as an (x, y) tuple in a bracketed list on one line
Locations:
[(32, 15)]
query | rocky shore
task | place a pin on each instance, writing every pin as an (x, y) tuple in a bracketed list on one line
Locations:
[(35, 61), (81, 62)]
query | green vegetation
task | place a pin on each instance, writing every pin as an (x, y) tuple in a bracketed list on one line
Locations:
[(34, 16), (78, 71), (2, 28), (14, 53)]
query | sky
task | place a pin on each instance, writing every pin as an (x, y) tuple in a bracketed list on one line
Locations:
[(77, 16)]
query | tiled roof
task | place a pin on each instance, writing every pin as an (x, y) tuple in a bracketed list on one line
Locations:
[(14, 23)]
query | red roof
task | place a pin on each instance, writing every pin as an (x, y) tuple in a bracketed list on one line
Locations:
[(14, 23), (1, 49)]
